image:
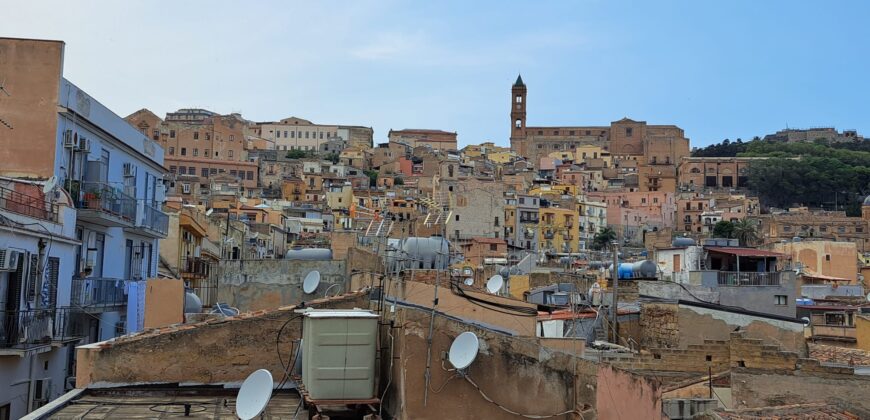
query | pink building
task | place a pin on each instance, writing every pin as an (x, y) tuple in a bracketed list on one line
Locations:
[(654, 208)]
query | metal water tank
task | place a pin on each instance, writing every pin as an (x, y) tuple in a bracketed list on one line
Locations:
[(643, 269), (340, 349), (310, 254), (682, 242), (192, 302), (625, 270)]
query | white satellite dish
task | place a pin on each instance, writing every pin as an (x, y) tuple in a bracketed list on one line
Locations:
[(312, 280), (494, 284), (254, 394), (209, 212), (50, 185), (469, 281), (463, 351), (806, 321)]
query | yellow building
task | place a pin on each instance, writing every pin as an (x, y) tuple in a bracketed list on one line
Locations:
[(502, 157), (558, 230), (554, 190)]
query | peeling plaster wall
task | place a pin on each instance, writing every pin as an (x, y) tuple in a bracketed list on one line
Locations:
[(621, 395), (268, 284), (214, 352)]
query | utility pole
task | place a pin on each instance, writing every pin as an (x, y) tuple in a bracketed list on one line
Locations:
[(614, 275)]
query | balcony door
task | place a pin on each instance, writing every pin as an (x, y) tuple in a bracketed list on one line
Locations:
[(99, 251), (128, 260)]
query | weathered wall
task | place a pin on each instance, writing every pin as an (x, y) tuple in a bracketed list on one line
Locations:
[(758, 389), (164, 302), (213, 352), (659, 325), (621, 395), (266, 284), (514, 371)]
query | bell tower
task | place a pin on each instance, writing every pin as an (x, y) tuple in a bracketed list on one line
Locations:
[(518, 115)]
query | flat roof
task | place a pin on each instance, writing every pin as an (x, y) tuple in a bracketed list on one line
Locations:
[(744, 252)]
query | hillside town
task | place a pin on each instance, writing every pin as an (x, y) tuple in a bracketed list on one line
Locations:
[(150, 263)]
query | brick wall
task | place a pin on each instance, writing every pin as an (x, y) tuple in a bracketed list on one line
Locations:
[(659, 325)]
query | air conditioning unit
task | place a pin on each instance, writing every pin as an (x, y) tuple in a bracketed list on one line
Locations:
[(129, 170), (69, 140), (84, 145), (8, 259)]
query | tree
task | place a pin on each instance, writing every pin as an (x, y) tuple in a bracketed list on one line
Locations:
[(299, 154), (373, 177), (603, 238), (332, 157), (745, 232), (723, 229)]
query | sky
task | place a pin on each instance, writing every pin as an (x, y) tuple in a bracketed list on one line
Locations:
[(726, 69)]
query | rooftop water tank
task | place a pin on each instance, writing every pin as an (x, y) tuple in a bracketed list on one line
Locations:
[(643, 269), (192, 302), (682, 242), (625, 270), (312, 254), (339, 348)]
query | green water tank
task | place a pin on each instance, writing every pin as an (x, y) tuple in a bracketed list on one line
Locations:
[(338, 356)]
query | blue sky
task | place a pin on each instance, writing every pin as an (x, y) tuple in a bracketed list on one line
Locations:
[(719, 70)]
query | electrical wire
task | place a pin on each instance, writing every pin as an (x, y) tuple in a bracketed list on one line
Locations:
[(278, 352), (504, 307), (516, 413)]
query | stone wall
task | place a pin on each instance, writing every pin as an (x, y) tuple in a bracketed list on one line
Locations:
[(266, 284), (759, 389), (218, 351), (659, 325)]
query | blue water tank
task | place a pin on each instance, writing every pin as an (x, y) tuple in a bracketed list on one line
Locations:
[(625, 270)]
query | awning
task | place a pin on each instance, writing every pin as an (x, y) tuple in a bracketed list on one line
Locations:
[(495, 261), (745, 252), (823, 277)]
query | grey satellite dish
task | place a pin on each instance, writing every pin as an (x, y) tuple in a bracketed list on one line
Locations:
[(469, 281), (806, 321), (224, 309), (494, 284), (254, 394), (312, 280), (50, 185), (463, 351)]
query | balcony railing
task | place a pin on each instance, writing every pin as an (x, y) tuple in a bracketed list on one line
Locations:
[(96, 294), (195, 267), (35, 207), (25, 329), (154, 220), (748, 278), (105, 198)]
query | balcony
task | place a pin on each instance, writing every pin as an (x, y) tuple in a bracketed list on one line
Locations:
[(100, 203), (98, 294), (748, 278), (27, 205), (28, 330), (194, 268), (152, 222)]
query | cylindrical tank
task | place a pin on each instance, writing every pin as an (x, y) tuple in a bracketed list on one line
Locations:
[(682, 242), (431, 253), (625, 270), (192, 303), (319, 254), (643, 269)]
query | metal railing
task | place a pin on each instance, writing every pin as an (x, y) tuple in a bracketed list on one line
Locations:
[(748, 278), (97, 293), (195, 267), (33, 327), (154, 219), (35, 207), (104, 197)]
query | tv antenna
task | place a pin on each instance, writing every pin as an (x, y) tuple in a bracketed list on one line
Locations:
[(254, 394), (494, 284), (312, 280), (464, 350)]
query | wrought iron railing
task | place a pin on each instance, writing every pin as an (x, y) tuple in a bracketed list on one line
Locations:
[(33, 327), (96, 293), (195, 267), (748, 278), (103, 197), (36, 207)]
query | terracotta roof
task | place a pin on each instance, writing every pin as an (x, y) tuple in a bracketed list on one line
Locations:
[(744, 252)]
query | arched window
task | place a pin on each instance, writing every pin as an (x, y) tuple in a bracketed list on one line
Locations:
[(695, 171), (519, 99), (519, 123)]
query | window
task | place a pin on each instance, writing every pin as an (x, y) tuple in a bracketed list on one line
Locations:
[(519, 99), (250, 175), (230, 154), (232, 137), (859, 229), (781, 300), (540, 132), (496, 221), (321, 135), (172, 134), (493, 247), (835, 319), (195, 152), (208, 136), (827, 257), (841, 229), (183, 151), (457, 218), (628, 131), (518, 123), (278, 134), (171, 151), (786, 228), (285, 134), (173, 169), (191, 170), (185, 188), (204, 172), (232, 172), (212, 171), (205, 153), (571, 133), (196, 135), (292, 134), (306, 134), (555, 132), (182, 170)]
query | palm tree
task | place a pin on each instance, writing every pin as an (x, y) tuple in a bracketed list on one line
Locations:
[(603, 238), (745, 231)]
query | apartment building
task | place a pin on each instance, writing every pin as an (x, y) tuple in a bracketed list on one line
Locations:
[(416, 137), (106, 170), (295, 133)]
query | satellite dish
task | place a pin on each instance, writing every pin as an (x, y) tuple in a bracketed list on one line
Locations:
[(868, 297), (209, 212), (494, 284), (312, 280), (806, 321), (254, 394), (224, 309), (464, 349), (469, 281), (50, 185)]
